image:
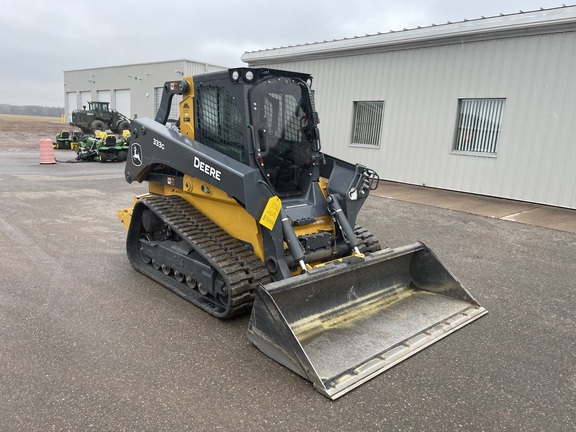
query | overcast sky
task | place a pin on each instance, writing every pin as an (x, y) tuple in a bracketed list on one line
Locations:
[(39, 39)]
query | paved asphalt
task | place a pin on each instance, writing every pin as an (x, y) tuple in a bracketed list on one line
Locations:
[(87, 343)]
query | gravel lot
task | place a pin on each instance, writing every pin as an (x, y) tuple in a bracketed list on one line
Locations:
[(23, 133), (87, 343)]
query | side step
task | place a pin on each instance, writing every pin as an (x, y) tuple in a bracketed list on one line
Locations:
[(345, 323)]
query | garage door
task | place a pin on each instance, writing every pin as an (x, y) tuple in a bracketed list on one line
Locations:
[(122, 102), (85, 97), (72, 104), (103, 95)]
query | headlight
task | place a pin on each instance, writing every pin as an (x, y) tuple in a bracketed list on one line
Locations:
[(235, 75), (249, 75)]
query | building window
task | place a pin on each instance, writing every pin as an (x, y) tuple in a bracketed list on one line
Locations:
[(478, 128), (367, 123)]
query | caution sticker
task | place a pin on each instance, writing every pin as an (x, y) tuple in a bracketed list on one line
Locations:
[(271, 212)]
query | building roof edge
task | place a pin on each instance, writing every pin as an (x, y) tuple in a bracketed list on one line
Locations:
[(502, 23)]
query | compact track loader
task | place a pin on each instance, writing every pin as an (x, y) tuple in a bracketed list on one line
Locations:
[(244, 212)]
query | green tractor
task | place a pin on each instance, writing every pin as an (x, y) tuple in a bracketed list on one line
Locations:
[(104, 148), (68, 140), (99, 116)]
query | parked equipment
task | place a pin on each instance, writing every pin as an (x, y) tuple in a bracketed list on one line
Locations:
[(104, 148), (99, 116), (68, 140), (245, 212)]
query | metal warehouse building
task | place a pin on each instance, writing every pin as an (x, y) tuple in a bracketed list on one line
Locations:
[(485, 106), (134, 90)]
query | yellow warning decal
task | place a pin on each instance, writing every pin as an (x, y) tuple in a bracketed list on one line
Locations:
[(271, 212)]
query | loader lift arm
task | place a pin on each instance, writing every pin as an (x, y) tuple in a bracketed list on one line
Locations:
[(170, 89)]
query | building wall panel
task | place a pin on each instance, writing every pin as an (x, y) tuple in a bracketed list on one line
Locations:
[(139, 79)]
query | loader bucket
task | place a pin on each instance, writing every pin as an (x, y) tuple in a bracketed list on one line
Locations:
[(342, 324)]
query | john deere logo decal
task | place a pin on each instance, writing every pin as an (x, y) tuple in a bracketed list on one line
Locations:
[(136, 152)]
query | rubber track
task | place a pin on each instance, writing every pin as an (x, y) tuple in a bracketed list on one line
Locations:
[(369, 243), (241, 270)]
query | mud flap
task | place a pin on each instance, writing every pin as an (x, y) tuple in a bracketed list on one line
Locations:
[(345, 323)]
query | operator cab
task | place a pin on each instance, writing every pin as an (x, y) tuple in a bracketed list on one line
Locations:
[(284, 123), (281, 139), (99, 106)]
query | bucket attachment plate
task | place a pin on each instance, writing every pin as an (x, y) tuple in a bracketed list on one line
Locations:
[(344, 323)]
